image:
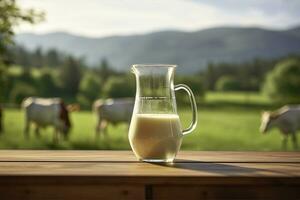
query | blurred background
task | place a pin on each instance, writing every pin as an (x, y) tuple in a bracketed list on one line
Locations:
[(239, 57)]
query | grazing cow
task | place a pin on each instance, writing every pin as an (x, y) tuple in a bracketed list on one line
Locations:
[(112, 111), (1, 119), (287, 119), (45, 112)]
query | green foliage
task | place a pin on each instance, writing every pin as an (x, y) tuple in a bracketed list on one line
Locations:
[(70, 76), (3, 80), (37, 58), (11, 16), (250, 75), (46, 85), (210, 75), (52, 58), (104, 70), (26, 77), (21, 57), (196, 85), (89, 89), (65, 82), (228, 83), (21, 85), (283, 83), (117, 87), (21, 91)]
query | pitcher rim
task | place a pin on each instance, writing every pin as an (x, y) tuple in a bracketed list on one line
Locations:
[(154, 65)]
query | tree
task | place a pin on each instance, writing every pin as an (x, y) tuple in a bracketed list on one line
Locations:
[(26, 77), (47, 86), (105, 71), (21, 91), (21, 56), (117, 87), (70, 76), (210, 77), (228, 83), (195, 83), (89, 89), (283, 82), (38, 58), (52, 58), (10, 16)]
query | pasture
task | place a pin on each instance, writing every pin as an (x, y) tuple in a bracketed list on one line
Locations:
[(227, 127)]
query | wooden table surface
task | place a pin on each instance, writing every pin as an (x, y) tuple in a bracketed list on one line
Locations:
[(91, 175)]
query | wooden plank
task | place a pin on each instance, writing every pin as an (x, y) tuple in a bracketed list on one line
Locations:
[(192, 192), (147, 180), (70, 191), (127, 156), (66, 156), (117, 175), (149, 170)]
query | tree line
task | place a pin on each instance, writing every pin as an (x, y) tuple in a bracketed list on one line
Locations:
[(279, 78), (52, 73), (55, 74), (34, 74)]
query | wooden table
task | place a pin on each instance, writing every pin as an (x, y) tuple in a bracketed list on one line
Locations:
[(89, 175)]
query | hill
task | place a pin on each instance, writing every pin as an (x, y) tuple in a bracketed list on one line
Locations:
[(190, 50)]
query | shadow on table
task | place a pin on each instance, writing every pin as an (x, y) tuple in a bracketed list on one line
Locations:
[(210, 167)]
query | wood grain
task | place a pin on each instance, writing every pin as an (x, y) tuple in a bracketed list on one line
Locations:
[(225, 192), (71, 191), (127, 156), (149, 170), (118, 175)]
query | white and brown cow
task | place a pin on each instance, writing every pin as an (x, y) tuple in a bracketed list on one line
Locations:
[(1, 119), (287, 119), (112, 111), (45, 112)]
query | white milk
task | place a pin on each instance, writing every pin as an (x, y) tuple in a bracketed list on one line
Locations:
[(155, 136)]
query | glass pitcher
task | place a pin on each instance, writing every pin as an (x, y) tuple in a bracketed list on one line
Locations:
[(155, 132)]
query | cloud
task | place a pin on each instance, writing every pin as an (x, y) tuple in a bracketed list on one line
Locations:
[(105, 17), (276, 13)]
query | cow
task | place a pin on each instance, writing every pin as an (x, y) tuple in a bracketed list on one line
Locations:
[(112, 111), (287, 119), (1, 119), (45, 112)]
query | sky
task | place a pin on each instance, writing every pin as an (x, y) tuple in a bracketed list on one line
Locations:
[(99, 18)]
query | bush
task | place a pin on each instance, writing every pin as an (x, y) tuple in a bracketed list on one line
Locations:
[(89, 89), (228, 83), (117, 87), (195, 83), (21, 91), (70, 76), (47, 86), (283, 82)]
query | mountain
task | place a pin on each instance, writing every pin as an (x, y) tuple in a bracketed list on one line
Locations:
[(191, 51)]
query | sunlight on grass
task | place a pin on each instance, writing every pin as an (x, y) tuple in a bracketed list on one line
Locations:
[(216, 130), (237, 97)]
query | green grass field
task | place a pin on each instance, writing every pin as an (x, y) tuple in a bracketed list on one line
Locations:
[(219, 128)]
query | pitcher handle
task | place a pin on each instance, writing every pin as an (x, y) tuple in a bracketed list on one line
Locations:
[(193, 105)]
